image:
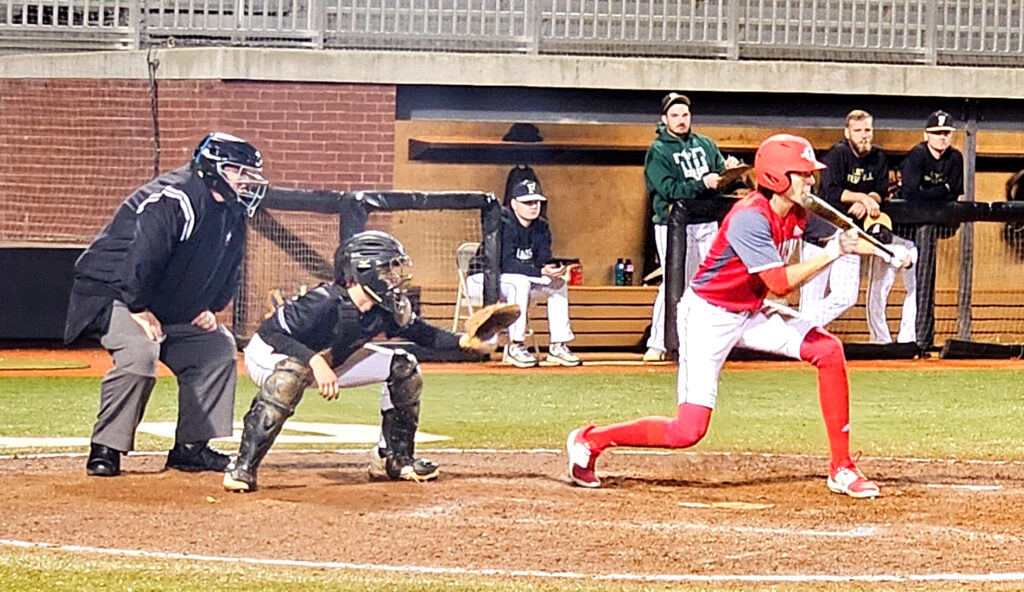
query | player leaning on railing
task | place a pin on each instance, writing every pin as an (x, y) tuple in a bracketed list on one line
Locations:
[(725, 307)]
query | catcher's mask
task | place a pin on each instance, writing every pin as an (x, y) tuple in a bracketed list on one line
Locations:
[(233, 168), (378, 263)]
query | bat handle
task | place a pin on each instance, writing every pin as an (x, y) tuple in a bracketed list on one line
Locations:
[(883, 254)]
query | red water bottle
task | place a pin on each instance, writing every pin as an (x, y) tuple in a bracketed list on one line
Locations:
[(576, 274)]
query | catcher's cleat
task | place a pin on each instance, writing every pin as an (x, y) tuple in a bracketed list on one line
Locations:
[(847, 479), (399, 469), (519, 356), (193, 457), (559, 353), (103, 461), (237, 481), (582, 458)]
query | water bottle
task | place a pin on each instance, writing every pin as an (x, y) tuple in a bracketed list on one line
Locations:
[(620, 270), (627, 273)]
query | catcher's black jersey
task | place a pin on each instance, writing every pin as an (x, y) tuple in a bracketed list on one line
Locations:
[(326, 317)]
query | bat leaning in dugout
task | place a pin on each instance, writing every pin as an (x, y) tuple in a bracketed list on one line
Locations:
[(892, 254)]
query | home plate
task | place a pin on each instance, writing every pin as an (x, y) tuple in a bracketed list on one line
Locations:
[(298, 432), (727, 505)]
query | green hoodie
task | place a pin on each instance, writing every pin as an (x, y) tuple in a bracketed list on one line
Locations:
[(674, 169)]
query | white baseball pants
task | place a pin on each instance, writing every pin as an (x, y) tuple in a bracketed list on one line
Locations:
[(522, 290), (842, 279), (881, 277), (698, 243), (707, 333), (370, 364)]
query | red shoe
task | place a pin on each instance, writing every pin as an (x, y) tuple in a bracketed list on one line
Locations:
[(847, 479), (582, 458)]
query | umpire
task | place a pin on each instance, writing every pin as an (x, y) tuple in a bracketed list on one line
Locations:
[(148, 286)]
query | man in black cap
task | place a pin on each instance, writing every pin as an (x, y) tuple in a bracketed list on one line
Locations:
[(933, 174), (680, 164), (933, 171), (528, 272)]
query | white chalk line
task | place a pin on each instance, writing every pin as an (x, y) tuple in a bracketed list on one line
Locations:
[(626, 451), (527, 573)]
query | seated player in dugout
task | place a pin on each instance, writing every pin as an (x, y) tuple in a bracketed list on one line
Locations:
[(527, 273), (724, 306), (323, 338)]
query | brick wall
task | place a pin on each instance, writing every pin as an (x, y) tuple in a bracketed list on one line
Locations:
[(71, 150)]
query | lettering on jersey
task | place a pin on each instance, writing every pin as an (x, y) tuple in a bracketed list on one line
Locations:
[(859, 175), (694, 162), (934, 178), (524, 254)]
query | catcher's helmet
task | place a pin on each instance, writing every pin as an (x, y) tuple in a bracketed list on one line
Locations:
[(376, 261), (219, 150), (780, 155)]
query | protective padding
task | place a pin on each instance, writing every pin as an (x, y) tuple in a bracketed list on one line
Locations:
[(399, 424), (275, 403)]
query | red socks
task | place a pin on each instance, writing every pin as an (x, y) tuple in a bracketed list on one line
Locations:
[(686, 429), (825, 352)]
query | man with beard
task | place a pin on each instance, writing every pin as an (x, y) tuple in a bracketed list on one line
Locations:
[(856, 182), (680, 165)]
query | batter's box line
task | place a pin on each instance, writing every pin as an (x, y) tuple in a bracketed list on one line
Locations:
[(498, 572)]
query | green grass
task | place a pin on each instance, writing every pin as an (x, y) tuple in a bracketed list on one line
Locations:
[(934, 413), (954, 413)]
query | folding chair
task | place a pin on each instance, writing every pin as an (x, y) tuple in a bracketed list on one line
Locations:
[(464, 303)]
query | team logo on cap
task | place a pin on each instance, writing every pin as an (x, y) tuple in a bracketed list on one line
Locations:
[(808, 155)]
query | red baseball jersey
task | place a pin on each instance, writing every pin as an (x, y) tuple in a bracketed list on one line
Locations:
[(750, 240)]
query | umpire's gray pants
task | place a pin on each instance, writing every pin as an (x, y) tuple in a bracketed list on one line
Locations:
[(203, 362)]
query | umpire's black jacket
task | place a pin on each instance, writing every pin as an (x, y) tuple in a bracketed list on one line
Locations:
[(170, 248)]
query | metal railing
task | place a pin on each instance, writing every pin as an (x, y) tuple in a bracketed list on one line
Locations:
[(898, 31)]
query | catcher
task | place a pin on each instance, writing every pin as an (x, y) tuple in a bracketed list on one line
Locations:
[(323, 338)]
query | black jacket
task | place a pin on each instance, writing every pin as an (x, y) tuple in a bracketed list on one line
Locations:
[(846, 171), (930, 179), (170, 248), (326, 317), (524, 249)]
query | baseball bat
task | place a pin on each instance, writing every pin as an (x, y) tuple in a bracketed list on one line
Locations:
[(814, 204)]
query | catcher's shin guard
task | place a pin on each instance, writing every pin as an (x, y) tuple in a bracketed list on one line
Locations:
[(275, 402), (400, 423)]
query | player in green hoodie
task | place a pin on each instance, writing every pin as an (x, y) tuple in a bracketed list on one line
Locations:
[(680, 164)]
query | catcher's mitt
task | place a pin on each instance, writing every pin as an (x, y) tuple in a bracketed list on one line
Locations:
[(485, 323)]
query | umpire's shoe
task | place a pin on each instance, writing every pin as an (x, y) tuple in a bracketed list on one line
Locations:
[(193, 457), (384, 466), (103, 461)]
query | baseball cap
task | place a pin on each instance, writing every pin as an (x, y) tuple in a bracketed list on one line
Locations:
[(882, 219), (527, 190), (673, 98), (940, 121)]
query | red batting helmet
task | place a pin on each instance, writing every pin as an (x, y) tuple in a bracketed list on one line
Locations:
[(780, 155)]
